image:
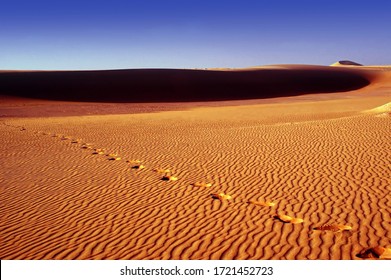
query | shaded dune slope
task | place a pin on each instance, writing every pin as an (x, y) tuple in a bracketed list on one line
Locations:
[(153, 85)]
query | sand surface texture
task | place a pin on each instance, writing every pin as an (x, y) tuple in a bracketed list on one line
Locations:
[(286, 178)]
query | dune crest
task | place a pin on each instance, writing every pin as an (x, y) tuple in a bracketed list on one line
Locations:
[(346, 63), (175, 85)]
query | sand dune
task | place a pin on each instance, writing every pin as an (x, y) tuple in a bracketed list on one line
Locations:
[(346, 63), (320, 165), (168, 85)]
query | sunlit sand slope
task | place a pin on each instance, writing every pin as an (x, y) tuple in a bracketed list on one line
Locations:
[(306, 180)]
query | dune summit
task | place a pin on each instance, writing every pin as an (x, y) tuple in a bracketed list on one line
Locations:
[(151, 85), (346, 63)]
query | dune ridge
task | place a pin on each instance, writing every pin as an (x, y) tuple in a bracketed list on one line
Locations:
[(346, 63)]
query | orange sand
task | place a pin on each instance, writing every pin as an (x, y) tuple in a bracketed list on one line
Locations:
[(322, 158)]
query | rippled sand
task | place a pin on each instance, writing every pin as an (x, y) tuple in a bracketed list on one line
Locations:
[(324, 159)]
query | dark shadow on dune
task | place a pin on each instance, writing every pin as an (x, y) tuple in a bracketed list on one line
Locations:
[(172, 85), (348, 62)]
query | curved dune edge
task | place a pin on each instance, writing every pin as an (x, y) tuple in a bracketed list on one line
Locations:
[(174, 85), (383, 110)]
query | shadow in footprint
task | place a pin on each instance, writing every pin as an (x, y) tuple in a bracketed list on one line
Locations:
[(138, 167), (221, 196), (377, 252), (281, 220), (288, 219), (114, 158), (169, 178)]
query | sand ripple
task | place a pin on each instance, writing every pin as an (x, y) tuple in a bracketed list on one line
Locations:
[(60, 201)]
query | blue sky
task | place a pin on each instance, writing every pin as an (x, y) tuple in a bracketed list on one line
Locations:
[(191, 34)]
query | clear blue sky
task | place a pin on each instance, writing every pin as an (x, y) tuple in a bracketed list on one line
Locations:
[(115, 34)]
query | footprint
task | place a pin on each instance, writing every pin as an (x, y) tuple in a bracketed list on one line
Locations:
[(134, 161), (158, 170), (114, 158), (98, 152), (333, 228), (138, 166), (169, 178), (262, 203), (288, 219), (221, 196), (377, 252), (202, 184), (112, 155), (86, 146)]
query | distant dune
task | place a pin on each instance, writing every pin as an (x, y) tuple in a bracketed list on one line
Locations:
[(346, 63), (168, 85)]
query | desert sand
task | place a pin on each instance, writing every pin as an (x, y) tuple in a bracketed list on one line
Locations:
[(282, 162)]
